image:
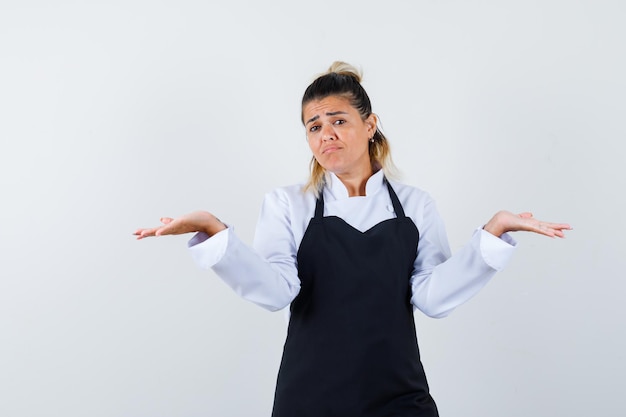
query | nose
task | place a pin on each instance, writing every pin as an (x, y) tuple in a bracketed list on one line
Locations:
[(328, 133)]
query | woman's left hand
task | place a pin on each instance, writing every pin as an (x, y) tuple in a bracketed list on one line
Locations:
[(505, 221)]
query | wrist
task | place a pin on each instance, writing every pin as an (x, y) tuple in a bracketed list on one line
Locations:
[(493, 227), (214, 227)]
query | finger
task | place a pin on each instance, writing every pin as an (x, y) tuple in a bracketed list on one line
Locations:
[(162, 231), (526, 215), (171, 228), (546, 232), (143, 233), (543, 229), (559, 230), (139, 233), (561, 226), (554, 230), (166, 220)]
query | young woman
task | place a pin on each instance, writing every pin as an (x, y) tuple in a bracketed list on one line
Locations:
[(352, 252)]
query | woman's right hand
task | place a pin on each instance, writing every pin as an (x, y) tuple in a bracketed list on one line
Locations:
[(198, 221)]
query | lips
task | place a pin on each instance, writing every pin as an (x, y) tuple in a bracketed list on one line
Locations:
[(330, 149)]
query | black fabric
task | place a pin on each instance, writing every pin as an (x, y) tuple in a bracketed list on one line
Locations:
[(351, 347)]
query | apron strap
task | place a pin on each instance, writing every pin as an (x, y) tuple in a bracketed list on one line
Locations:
[(397, 207), (319, 206)]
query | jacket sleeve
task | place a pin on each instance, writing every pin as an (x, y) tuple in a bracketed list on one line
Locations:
[(265, 274), (440, 281)]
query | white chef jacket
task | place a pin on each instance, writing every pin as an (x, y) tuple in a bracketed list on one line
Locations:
[(267, 272)]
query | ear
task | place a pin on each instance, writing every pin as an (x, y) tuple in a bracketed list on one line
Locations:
[(371, 122)]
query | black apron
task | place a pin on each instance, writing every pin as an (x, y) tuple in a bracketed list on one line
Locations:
[(351, 348)]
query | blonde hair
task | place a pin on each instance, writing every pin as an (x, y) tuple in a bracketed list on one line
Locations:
[(344, 80)]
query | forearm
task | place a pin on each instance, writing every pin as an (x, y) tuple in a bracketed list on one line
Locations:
[(439, 290), (271, 285)]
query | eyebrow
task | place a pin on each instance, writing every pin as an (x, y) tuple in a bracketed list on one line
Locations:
[(334, 113)]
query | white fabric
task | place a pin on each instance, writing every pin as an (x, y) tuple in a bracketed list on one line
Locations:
[(267, 274)]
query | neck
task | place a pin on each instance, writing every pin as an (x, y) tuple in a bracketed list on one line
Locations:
[(355, 184)]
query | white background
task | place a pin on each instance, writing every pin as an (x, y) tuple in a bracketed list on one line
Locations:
[(115, 113)]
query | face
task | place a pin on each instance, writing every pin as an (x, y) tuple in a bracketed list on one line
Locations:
[(338, 136)]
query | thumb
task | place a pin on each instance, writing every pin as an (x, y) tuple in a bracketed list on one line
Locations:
[(166, 220), (526, 215)]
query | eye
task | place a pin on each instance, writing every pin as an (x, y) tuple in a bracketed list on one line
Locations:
[(339, 122), (314, 128)]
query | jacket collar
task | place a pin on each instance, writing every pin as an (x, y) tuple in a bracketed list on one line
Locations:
[(335, 190)]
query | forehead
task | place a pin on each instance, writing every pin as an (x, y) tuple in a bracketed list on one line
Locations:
[(325, 105)]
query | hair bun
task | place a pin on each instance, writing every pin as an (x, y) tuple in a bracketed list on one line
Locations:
[(343, 68)]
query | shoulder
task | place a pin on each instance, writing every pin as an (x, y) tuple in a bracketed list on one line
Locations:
[(294, 192), (410, 194), (290, 197), (417, 203)]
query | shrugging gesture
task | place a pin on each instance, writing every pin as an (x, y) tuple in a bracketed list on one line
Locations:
[(352, 252)]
